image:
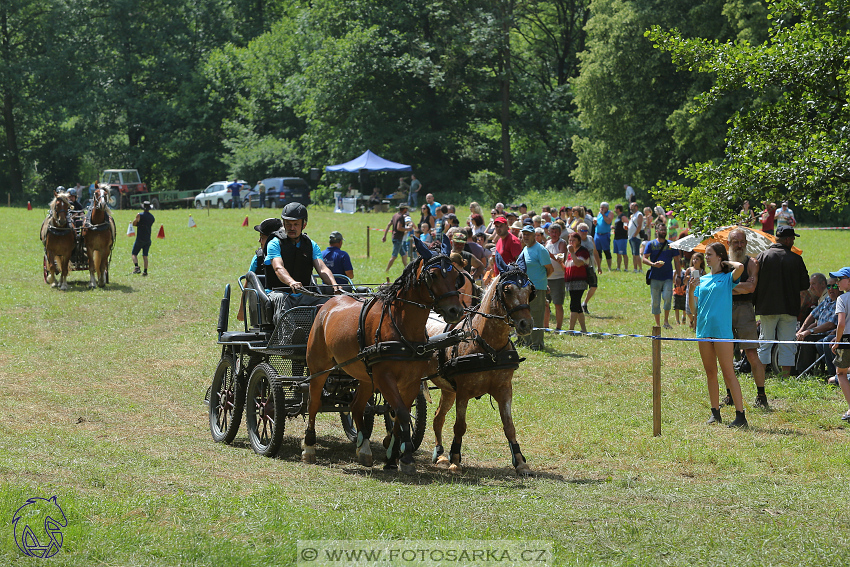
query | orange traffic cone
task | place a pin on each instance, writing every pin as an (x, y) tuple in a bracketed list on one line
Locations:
[(29, 206), (192, 222), (245, 222), (161, 232)]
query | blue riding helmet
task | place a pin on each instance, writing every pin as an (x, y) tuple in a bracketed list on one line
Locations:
[(72, 192)]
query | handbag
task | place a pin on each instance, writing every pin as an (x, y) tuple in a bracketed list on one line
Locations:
[(649, 271)]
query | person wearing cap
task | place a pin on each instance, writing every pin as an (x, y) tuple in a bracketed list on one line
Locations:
[(336, 259), (539, 267), (840, 346), (516, 229), (468, 262), (266, 229), (143, 223), (782, 276), (785, 216), (602, 239), (291, 256), (400, 224), (507, 244), (672, 227)]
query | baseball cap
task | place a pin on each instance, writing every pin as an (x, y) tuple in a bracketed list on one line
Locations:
[(269, 226), (785, 231), (459, 237), (335, 236), (502, 220), (528, 228), (547, 224), (511, 214), (403, 206), (516, 225), (842, 273)]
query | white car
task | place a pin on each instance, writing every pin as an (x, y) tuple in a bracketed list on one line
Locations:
[(218, 195)]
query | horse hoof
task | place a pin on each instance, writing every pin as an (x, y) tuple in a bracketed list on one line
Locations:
[(308, 456), (364, 457), (407, 468), (442, 462), (524, 470), (455, 469)]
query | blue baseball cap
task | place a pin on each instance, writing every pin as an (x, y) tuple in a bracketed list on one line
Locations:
[(547, 224), (842, 273), (528, 228)]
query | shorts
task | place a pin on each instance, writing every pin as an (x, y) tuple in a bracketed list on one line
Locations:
[(557, 291), (401, 246), (744, 322), (634, 242), (678, 302), (592, 280), (142, 247), (842, 355), (620, 246), (602, 241)]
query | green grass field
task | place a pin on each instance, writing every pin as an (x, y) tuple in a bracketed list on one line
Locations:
[(102, 406)]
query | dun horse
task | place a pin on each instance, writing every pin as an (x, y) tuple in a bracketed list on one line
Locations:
[(59, 238), (485, 365), (99, 235), (346, 328)]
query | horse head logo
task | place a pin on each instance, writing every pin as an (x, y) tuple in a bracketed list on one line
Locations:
[(38, 527)]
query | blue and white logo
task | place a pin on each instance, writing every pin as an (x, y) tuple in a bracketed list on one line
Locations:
[(38, 527)]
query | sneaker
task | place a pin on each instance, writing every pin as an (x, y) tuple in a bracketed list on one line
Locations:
[(584, 308), (137, 270), (145, 273), (668, 326), (761, 402), (715, 417), (740, 421), (727, 401)]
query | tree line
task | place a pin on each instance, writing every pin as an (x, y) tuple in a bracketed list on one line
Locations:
[(491, 97)]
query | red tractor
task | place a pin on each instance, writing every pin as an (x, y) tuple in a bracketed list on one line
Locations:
[(122, 183)]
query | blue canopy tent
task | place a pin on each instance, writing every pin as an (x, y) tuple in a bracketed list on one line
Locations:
[(369, 162), (362, 165)]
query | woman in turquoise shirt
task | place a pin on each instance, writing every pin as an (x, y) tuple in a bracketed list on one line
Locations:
[(714, 321)]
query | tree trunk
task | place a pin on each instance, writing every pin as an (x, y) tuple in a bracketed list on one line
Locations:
[(13, 152), (507, 16)]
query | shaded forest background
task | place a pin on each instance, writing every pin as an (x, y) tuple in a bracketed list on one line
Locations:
[(487, 99)]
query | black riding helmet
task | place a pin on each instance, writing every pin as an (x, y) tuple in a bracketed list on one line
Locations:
[(294, 211)]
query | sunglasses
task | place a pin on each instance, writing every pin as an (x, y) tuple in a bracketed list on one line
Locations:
[(582, 230), (834, 286)]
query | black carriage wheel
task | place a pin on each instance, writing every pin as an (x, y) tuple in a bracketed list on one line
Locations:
[(227, 401), (351, 430), (265, 417), (418, 418)]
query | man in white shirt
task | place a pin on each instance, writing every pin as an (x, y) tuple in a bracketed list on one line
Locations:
[(635, 225)]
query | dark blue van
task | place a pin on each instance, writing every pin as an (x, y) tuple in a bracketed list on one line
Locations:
[(281, 191)]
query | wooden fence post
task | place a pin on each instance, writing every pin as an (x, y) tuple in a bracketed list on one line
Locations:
[(367, 241), (656, 382)]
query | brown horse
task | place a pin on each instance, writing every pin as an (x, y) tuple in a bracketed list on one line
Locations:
[(59, 239), (345, 326), (488, 364), (99, 236)]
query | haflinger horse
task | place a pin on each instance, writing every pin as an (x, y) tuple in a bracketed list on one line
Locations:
[(391, 328), (99, 235), (486, 364), (59, 239)]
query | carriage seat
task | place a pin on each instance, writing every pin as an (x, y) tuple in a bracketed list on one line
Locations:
[(259, 307)]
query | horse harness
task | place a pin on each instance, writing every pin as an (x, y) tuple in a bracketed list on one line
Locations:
[(504, 358)]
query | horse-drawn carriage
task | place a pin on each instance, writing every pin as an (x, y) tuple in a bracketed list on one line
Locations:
[(78, 240), (367, 354), (263, 373)]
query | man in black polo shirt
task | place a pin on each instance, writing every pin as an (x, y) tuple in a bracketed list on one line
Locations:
[(143, 223)]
